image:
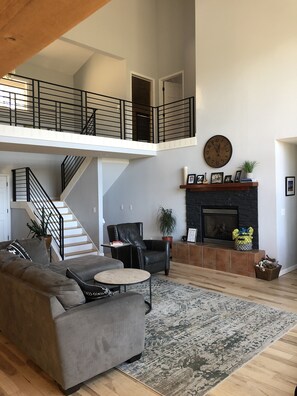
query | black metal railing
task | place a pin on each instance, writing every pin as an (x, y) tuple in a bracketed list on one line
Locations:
[(176, 120), (26, 187), (69, 167), (39, 104), (71, 163)]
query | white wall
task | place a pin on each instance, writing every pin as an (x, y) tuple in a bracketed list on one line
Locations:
[(246, 87), (41, 73), (102, 74), (147, 184), (176, 40)]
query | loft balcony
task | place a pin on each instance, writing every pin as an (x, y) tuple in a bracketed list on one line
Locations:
[(31, 103)]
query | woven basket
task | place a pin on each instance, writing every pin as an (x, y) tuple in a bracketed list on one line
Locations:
[(242, 246), (269, 273)]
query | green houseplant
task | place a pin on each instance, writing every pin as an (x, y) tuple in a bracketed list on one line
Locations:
[(39, 229), (248, 167), (167, 223)]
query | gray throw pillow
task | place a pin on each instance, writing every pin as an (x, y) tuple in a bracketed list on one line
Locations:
[(91, 292), (36, 248), (17, 249)]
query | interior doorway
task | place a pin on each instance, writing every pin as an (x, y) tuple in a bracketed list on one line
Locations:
[(4, 209), (141, 109), (172, 88)]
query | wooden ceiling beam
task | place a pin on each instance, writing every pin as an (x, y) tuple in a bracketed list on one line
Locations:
[(27, 26)]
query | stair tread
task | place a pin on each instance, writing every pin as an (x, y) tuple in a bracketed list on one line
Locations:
[(80, 253), (77, 243), (74, 235)]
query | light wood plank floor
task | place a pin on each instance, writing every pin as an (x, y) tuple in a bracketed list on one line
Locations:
[(273, 372)]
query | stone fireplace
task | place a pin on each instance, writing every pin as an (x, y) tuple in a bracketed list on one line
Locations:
[(239, 203)]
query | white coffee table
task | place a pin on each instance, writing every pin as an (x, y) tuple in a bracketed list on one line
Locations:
[(125, 277)]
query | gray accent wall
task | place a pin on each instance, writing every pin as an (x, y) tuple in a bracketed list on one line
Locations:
[(83, 201)]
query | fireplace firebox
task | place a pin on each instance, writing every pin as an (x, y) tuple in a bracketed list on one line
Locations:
[(218, 224)]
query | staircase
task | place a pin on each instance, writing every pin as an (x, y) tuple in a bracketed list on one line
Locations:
[(76, 241)]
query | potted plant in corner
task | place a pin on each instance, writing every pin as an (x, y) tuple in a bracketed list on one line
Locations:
[(39, 229), (167, 223), (248, 167)]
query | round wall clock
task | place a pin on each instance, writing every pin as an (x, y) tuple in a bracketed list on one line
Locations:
[(217, 151)]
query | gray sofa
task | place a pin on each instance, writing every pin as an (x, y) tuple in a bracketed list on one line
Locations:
[(46, 315)]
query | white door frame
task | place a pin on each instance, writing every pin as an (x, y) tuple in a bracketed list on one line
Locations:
[(8, 217), (170, 77)]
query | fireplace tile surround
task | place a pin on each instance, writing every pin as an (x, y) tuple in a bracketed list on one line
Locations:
[(217, 258)]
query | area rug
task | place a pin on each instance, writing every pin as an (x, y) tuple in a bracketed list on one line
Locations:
[(196, 338)]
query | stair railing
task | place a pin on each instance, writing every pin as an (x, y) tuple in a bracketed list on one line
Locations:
[(27, 188), (71, 163)]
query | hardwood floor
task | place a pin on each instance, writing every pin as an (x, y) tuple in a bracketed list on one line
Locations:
[(273, 372)]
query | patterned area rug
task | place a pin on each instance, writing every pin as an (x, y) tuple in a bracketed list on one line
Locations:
[(196, 338)]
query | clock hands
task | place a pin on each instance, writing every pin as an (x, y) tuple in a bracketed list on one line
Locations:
[(217, 147)]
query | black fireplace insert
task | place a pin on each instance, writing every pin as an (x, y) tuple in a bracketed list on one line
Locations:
[(218, 224)]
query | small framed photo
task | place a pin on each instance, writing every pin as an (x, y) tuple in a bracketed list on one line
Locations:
[(192, 233), (191, 178), (228, 179), (290, 185), (237, 176), (199, 179), (216, 177)]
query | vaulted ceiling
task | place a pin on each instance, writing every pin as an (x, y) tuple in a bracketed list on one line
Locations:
[(27, 26)]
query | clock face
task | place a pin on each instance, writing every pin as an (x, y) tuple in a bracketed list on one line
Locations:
[(217, 151)]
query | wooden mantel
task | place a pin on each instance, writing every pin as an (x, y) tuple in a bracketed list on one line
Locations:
[(219, 186)]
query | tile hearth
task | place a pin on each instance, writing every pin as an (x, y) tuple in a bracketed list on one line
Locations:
[(217, 257)]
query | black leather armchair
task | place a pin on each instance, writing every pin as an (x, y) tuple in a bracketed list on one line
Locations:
[(150, 255)]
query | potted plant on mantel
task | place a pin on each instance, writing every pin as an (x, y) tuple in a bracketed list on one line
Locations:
[(167, 223), (40, 229), (248, 167)]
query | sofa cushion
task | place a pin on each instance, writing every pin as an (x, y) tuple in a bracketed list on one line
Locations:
[(86, 266), (12, 264), (91, 292), (129, 233), (17, 249), (66, 290)]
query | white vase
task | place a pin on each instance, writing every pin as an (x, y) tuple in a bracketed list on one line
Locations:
[(185, 174), (249, 175)]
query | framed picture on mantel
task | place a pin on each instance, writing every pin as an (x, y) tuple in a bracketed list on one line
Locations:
[(290, 185), (192, 233)]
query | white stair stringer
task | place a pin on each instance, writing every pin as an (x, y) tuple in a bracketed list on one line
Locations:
[(76, 241)]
